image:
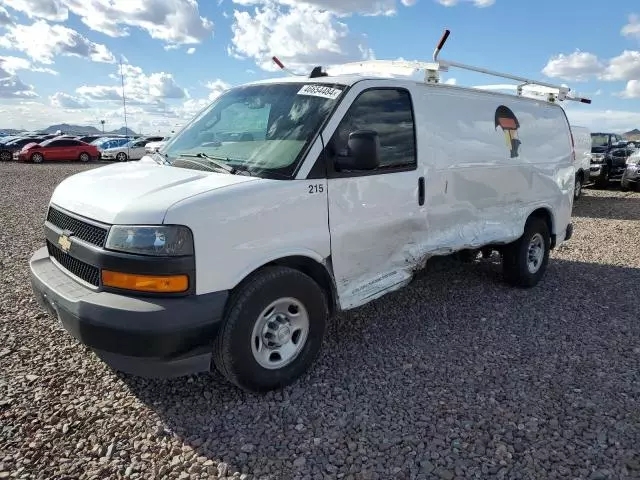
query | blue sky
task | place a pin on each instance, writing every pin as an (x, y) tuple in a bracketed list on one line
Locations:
[(59, 58)]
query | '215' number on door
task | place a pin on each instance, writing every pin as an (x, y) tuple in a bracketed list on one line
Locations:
[(317, 188)]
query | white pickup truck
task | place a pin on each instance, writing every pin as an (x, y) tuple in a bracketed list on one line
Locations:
[(334, 192)]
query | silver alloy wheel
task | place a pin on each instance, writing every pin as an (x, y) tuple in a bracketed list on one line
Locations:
[(535, 253), (280, 333), (84, 157), (6, 156), (121, 157), (37, 158)]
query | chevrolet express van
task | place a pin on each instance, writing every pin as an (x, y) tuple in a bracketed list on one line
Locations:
[(288, 200)]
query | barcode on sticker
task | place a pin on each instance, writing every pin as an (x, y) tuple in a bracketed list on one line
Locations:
[(320, 91)]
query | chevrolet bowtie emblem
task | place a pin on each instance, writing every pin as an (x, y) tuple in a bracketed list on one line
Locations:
[(64, 242)]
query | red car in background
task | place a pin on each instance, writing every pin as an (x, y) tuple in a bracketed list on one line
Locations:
[(58, 149)]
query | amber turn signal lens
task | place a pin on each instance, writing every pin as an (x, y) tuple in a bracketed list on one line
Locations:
[(146, 283)]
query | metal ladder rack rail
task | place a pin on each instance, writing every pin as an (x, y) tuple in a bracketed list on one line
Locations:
[(433, 69)]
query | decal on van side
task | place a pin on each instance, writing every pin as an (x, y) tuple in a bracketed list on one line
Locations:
[(509, 123), (320, 91)]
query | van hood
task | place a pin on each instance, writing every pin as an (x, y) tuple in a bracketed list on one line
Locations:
[(137, 192)]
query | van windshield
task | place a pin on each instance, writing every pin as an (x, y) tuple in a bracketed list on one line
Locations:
[(260, 129)]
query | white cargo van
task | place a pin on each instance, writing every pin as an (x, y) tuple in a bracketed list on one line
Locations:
[(582, 140), (291, 199)]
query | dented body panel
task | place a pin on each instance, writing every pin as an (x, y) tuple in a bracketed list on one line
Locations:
[(477, 193)]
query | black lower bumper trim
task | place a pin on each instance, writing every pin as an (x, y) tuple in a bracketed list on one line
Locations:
[(149, 329)]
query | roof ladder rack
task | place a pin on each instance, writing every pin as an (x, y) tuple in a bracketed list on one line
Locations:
[(432, 71)]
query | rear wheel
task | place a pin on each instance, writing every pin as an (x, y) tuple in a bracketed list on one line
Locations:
[(37, 158), (524, 261), (577, 189), (121, 157), (84, 157), (6, 156), (272, 331)]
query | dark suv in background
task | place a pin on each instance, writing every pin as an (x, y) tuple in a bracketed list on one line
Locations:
[(609, 154)]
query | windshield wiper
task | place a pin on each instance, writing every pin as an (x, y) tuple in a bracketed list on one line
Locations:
[(213, 160)]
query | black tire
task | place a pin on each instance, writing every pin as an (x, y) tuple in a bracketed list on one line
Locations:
[(467, 256), (6, 156), (233, 354), (603, 179), (84, 157), (577, 191), (37, 157), (121, 157), (516, 255)]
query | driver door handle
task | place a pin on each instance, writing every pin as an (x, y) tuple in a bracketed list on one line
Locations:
[(421, 191)]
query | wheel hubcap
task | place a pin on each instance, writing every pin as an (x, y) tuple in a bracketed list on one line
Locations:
[(280, 333), (535, 253)]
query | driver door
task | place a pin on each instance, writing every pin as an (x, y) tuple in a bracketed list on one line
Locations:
[(376, 216)]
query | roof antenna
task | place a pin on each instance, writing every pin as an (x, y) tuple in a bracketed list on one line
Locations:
[(277, 61)]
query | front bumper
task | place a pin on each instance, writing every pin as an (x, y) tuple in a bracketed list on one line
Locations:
[(145, 336)]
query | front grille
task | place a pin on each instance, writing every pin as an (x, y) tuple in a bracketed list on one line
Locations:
[(84, 271), (82, 230)]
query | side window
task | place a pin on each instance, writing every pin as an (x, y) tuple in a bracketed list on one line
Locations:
[(388, 112), (56, 143)]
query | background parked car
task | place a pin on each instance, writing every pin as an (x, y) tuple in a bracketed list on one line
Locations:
[(133, 150), (156, 146), (608, 158), (631, 176), (8, 149), (58, 149), (106, 143), (582, 142)]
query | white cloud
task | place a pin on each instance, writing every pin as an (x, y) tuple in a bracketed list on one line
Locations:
[(577, 66), (13, 64), (53, 10), (172, 21), (42, 42), (625, 66), (632, 90), (64, 100), (140, 88), (451, 81), (301, 36), (5, 18), (604, 120), (341, 7), (477, 3), (191, 51), (632, 29), (12, 87)]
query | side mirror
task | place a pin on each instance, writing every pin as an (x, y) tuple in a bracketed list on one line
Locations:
[(363, 152)]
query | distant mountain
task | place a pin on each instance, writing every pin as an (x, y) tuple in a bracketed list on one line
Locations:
[(74, 129), (633, 134), (86, 130)]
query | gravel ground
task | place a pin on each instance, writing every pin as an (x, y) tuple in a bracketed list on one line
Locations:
[(456, 376)]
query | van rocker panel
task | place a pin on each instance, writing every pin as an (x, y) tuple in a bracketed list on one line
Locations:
[(141, 335)]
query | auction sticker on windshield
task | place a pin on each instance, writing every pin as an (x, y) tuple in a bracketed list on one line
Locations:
[(320, 91)]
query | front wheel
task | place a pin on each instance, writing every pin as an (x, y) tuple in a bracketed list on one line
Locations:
[(525, 260), (603, 180), (37, 158), (6, 156), (84, 157), (121, 157), (273, 330)]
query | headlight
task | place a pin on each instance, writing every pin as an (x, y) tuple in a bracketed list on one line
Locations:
[(161, 240), (597, 157)]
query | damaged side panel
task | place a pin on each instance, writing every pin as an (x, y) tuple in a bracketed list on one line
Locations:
[(484, 174)]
